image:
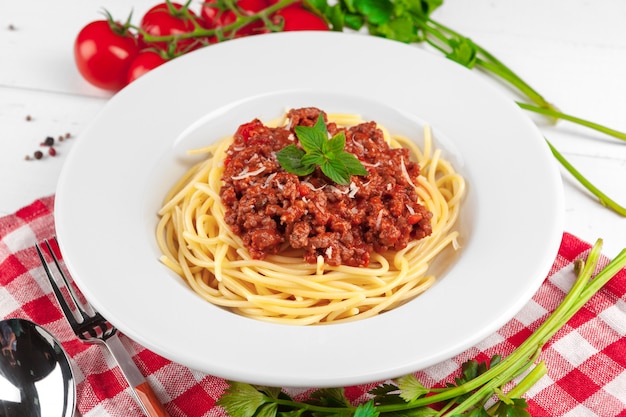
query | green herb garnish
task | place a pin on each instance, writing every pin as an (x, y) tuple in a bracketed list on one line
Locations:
[(410, 21), (407, 21), (472, 390), (320, 151)]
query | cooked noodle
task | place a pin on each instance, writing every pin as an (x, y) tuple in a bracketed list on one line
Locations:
[(199, 246)]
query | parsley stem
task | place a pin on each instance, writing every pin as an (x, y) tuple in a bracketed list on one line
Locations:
[(484, 386), (603, 198), (604, 276), (564, 116), (523, 356), (528, 381), (488, 388), (482, 58), (489, 62)]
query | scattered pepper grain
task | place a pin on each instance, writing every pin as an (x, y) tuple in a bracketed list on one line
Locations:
[(48, 142)]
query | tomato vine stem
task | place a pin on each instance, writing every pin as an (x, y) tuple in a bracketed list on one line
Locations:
[(451, 43), (240, 21)]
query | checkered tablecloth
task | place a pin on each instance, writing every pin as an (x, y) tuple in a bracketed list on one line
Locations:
[(586, 359)]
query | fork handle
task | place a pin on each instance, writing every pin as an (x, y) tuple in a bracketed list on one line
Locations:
[(142, 391)]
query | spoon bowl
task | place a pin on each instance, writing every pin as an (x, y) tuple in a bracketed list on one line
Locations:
[(36, 378)]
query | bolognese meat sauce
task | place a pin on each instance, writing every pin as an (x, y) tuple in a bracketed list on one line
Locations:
[(270, 208)]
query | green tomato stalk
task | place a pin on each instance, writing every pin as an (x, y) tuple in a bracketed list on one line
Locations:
[(221, 33)]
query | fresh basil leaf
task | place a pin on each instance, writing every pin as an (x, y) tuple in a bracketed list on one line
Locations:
[(315, 158), (328, 154), (312, 138), (352, 163), (290, 158), (336, 171), (335, 144)]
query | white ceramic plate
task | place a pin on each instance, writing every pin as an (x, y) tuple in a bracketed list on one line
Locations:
[(120, 167)]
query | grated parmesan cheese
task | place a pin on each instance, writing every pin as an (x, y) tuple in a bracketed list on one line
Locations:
[(405, 173), (269, 179), (353, 189), (311, 186), (245, 174), (379, 219)]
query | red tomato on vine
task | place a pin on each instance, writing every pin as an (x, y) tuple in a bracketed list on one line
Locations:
[(143, 63), (295, 18), (103, 52), (213, 17), (170, 19)]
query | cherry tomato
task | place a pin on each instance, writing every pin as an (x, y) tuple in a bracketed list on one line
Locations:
[(300, 19), (160, 20), (143, 63), (103, 52), (214, 17)]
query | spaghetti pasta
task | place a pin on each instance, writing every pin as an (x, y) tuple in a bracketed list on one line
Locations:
[(198, 244)]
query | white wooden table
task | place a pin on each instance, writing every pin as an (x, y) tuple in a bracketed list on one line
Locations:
[(572, 51)]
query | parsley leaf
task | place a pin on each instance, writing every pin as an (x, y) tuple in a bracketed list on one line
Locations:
[(366, 410), (411, 388), (319, 150), (515, 408), (241, 400)]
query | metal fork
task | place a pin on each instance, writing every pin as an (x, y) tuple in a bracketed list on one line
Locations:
[(91, 327)]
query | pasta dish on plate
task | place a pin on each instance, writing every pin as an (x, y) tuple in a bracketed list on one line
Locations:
[(249, 235)]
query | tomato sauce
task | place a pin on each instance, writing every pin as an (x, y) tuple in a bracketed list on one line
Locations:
[(270, 208)]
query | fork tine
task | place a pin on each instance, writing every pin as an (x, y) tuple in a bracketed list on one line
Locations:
[(63, 302), (96, 329), (84, 307)]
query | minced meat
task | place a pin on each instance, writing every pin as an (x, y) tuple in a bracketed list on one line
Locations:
[(270, 208)]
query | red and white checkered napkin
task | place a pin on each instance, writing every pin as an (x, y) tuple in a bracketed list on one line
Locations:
[(586, 359)]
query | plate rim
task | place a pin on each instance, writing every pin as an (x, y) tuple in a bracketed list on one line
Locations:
[(64, 211)]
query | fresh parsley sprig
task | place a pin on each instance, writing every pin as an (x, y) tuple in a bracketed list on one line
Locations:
[(469, 395), (410, 21), (320, 151)]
